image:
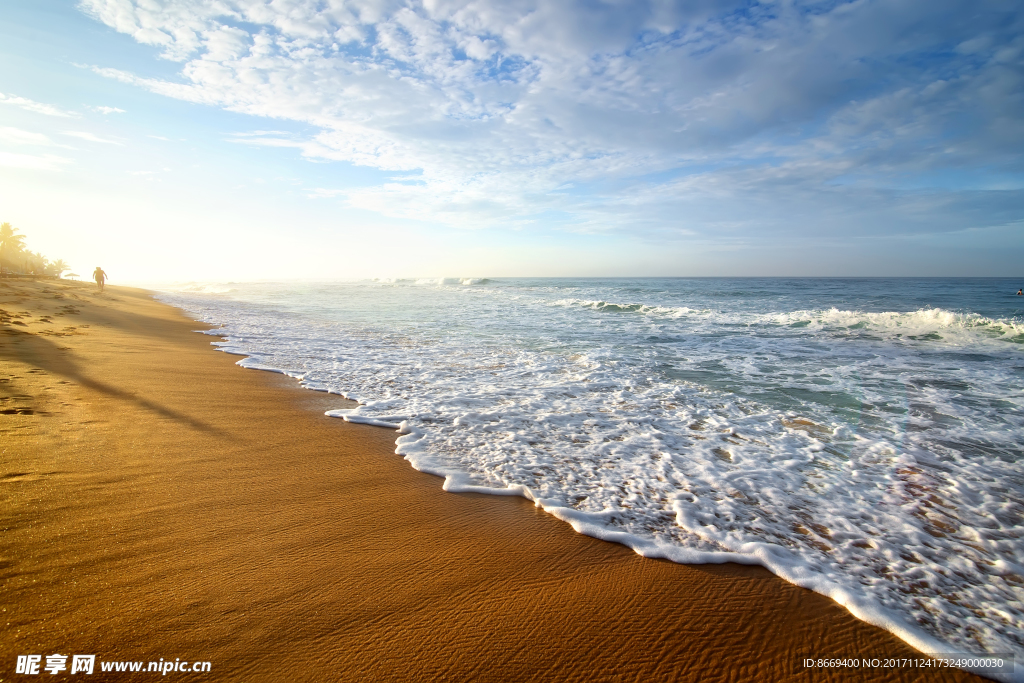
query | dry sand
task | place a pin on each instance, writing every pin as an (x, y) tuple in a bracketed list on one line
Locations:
[(160, 502)]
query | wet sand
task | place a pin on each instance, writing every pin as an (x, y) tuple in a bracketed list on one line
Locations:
[(160, 502)]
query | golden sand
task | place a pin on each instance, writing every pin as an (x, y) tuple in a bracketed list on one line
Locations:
[(160, 502)]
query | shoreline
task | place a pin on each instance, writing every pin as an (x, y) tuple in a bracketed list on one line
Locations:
[(163, 502)]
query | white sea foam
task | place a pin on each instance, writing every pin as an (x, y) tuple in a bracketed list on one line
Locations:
[(440, 281), (874, 457), (910, 324)]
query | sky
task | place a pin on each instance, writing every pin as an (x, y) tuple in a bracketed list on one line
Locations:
[(215, 140)]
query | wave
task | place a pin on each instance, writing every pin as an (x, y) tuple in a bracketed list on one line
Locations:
[(923, 324), (645, 309), (926, 324), (438, 281), (431, 281)]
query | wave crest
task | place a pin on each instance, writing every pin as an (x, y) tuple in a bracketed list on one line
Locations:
[(915, 324), (926, 324)]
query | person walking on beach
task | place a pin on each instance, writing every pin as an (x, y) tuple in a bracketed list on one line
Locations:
[(99, 276)]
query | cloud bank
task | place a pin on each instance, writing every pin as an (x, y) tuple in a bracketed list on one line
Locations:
[(36, 107), (721, 120)]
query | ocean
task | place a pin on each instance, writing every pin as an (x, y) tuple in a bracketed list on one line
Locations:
[(863, 438)]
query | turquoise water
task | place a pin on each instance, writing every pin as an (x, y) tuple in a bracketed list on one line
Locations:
[(860, 437)]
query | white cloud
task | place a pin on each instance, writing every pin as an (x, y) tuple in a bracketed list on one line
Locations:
[(89, 137), (107, 110), (646, 108), (324, 193), (36, 107), (16, 136), (45, 162)]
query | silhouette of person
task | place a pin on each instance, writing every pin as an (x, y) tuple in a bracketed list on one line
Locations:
[(1020, 292), (99, 276)]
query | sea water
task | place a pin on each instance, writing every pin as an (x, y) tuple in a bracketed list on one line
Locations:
[(859, 437)]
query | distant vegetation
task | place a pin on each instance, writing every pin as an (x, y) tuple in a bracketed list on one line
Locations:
[(16, 259)]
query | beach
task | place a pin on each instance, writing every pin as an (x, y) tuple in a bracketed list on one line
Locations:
[(160, 502)]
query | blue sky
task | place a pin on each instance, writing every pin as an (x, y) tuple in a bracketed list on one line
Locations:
[(236, 139)]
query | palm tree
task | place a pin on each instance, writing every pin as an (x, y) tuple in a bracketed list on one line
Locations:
[(58, 267), (36, 263), (10, 240), (11, 244)]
